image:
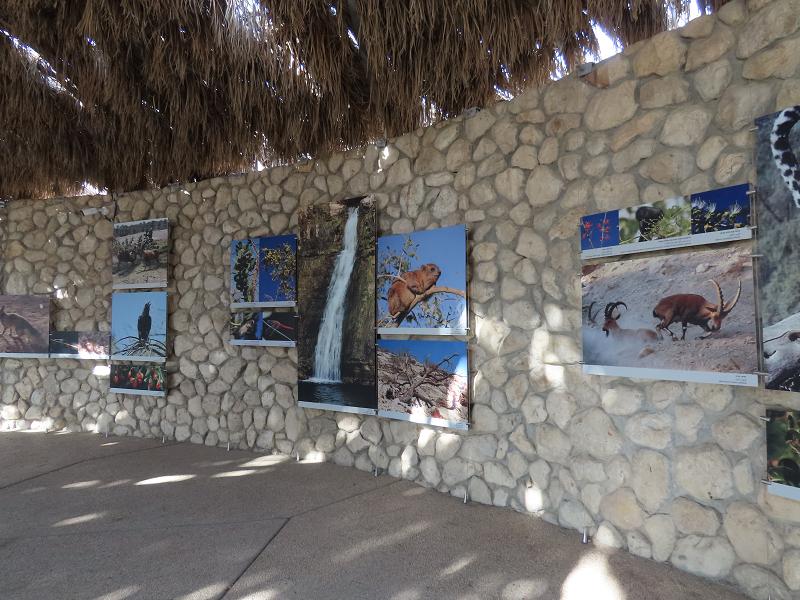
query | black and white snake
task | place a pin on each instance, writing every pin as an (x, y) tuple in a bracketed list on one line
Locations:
[(782, 152)]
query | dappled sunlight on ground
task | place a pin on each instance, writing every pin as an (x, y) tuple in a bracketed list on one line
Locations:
[(79, 520), (591, 578), (165, 479)]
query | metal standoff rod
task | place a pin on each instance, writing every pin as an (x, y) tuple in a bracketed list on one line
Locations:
[(229, 445), (465, 496), (766, 482), (585, 539), (765, 419)]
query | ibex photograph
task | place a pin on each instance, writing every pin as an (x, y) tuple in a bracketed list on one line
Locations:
[(684, 311), (778, 176)]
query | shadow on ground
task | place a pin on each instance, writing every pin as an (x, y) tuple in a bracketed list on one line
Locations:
[(85, 516)]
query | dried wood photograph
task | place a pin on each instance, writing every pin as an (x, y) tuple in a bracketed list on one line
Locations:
[(422, 282), (139, 326), (264, 272), (783, 453), (264, 328), (140, 380), (424, 381), (24, 325), (336, 300), (140, 254), (674, 316), (778, 176), (79, 344)]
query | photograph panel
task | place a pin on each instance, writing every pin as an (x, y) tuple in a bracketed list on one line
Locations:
[(140, 380), (263, 328), (424, 381), (140, 254), (681, 312), (422, 282), (336, 300), (777, 151), (80, 344), (783, 453), (139, 326), (277, 284), (24, 325)]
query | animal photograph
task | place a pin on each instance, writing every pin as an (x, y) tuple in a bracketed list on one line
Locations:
[(264, 272), (684, 311), (721, 209), (266, 328), (659, 220), (422, 282), (24, 325), (599, 230), (778, 185), (424, 381), (140, 254), (140, 380), (79, 344), (783, 453), (139, 326), (336, 302)]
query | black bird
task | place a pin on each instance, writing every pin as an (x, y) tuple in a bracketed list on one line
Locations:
[(144, 323)]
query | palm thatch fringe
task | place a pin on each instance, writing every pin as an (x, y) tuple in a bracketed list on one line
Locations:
[(126, 94)]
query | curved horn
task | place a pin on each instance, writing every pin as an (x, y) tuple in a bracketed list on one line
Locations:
[(721, 303), (592, 318), (608, 310), (615, 305), (729, 307)]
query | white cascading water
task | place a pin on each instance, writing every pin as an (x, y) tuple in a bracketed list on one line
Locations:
[(328, 353)]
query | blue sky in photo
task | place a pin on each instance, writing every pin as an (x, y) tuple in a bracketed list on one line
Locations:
[(724, 198), (267, 283), (125, 311), (445, 247), (432, 351), (590, 230)]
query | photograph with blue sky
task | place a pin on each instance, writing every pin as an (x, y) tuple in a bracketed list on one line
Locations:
[(422, 282), (424, 381), (277, 276), (721, 209), (139, 326)]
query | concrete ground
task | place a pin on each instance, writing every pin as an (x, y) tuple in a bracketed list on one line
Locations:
[(84, 516)]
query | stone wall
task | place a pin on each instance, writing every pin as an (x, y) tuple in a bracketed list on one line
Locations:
[(668, 471)]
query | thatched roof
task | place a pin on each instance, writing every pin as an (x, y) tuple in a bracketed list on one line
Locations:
[(128, 94)]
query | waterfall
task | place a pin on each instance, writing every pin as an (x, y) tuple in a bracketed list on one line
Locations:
[(328, 353)]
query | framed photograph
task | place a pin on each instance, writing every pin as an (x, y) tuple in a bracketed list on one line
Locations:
[(424, 381), (336, 299), (778, 174), (264, 272), (24, 326), (783, 453), (140, 254), (684, 316), (139, 326), (139, 380), (716, 216), (94, 345), (265, 328), (422, 283)]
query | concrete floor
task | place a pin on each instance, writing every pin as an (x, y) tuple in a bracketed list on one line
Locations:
[(83, 516)]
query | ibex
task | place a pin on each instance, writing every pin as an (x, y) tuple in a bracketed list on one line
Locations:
[(693, 309), (612, 328), (592, 317)]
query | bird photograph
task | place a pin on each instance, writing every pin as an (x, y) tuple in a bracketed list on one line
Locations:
[(139, 326)]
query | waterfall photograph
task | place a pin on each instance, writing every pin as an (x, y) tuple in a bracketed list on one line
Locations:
[(336, 300)]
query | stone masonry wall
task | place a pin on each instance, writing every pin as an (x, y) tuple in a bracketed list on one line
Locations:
[(668, 471)]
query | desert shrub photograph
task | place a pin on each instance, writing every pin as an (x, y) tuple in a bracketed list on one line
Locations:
[(721, 209), (685, 311), (140, 254), (424, 381)]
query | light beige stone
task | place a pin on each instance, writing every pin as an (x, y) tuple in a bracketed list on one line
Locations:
[(662, 54), (568, 95), (737, 432), (711, 80), (685, 126), (781, 61), (777, 20), (753, 537), (649, 123), (704, 472), (693, 518), (707, 50), (707, 556), (622, 510), (709, 151), (612, 107), (671, 166), (650, 479)]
